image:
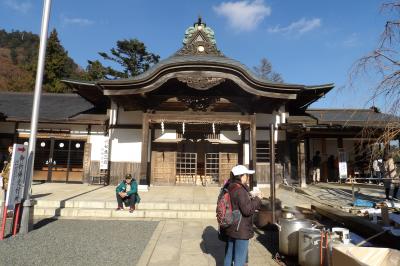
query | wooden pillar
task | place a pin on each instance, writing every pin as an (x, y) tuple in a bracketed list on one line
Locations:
[(241, 148), (324, 156), (301, 164), (340, 143), (152, 138), (253, 143), (144, 155), (272, 170), (51, 158), (15, 137)]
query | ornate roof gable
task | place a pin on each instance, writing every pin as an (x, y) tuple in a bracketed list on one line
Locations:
[(199, 40)]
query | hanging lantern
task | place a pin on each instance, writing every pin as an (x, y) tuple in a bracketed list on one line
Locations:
[(238, 128), (183, 128), (162, 127), (213, 128)]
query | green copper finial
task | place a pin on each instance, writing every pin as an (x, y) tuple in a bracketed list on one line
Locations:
[(199, 26)]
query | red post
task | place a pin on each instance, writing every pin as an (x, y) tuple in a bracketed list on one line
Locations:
[(3, 222), (16, 218)]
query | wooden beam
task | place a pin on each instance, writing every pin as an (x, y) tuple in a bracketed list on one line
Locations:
[(178, 118), (144, 152), (253, 132)]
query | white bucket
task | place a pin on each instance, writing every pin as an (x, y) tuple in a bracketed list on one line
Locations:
[(343, 233)]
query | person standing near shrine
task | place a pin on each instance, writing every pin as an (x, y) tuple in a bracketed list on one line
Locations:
[(5, 173), (238, 235), (391, 173), (316, 163)]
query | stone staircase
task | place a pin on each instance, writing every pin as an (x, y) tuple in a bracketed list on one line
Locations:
[(106, 209)]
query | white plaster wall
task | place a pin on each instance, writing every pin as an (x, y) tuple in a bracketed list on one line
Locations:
[(168, 134), (230, 135), (129, 117), (97, 142), (126, 145), (7, 127)]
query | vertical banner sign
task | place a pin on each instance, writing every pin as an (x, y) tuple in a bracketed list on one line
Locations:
[(16, 183), (342, 164), (104, 154)]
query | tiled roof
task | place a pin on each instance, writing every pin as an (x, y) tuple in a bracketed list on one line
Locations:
[(52, 106), (351, 117)]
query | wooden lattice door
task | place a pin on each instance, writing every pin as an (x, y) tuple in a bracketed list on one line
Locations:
[(163, 168), (227, 160)]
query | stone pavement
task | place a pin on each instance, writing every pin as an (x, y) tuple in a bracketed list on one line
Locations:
[(186, 241), (194, 242)]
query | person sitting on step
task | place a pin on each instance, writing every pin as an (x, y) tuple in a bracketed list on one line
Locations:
[(126, 192)]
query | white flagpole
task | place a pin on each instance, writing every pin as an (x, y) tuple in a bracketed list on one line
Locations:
[(27, 214)]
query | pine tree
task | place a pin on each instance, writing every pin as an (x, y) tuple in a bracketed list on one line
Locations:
[(58, 65), (131, 54)]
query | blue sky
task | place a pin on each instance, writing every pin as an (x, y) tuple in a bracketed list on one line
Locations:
[(309, 42)]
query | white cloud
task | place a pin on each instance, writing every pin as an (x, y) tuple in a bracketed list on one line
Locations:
[(243, 15), (76, 21), (298, 27), (19, 6), (351, 41)]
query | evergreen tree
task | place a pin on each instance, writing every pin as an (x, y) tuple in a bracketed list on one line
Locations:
[(58, 65), (95, 70), (131, 54)]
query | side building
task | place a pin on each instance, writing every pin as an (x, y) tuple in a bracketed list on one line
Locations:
[(70, 131)]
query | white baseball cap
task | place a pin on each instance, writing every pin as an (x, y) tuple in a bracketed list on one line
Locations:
[(241, 170)]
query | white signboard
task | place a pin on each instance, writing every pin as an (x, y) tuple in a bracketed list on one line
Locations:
[(342, 163), (16, 182), (104, 155), (343, 170)]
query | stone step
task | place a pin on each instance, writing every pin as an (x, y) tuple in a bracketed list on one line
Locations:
[(175, 206), (109, 213)]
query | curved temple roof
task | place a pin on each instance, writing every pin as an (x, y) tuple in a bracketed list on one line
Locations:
[(201, 66)]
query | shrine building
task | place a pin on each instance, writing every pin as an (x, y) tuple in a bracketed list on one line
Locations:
[(186, 121)]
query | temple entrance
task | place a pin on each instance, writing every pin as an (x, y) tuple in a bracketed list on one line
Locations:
[(192, 163)]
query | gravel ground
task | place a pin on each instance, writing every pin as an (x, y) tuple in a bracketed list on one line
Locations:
[(78, 242)]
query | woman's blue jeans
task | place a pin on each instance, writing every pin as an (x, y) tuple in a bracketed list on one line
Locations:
[(236, 251)]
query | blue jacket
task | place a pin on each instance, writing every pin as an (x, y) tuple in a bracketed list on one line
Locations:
[(122, 188)]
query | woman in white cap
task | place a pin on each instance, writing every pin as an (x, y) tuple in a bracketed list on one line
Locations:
[(238, 235)]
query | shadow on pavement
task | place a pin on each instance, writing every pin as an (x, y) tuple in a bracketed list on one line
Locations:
[(269, 238), (40, 195), (43, 222), (210, 244)]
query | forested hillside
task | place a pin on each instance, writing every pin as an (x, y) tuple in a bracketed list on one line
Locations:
[(18, 59)]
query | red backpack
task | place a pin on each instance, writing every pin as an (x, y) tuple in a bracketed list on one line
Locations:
[(226, 215)]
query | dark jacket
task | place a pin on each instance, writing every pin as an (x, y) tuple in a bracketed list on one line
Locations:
[(241, 200)]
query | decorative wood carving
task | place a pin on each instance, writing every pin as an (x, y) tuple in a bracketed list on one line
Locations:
[(193, 49), (199, 82), (198, 103)]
